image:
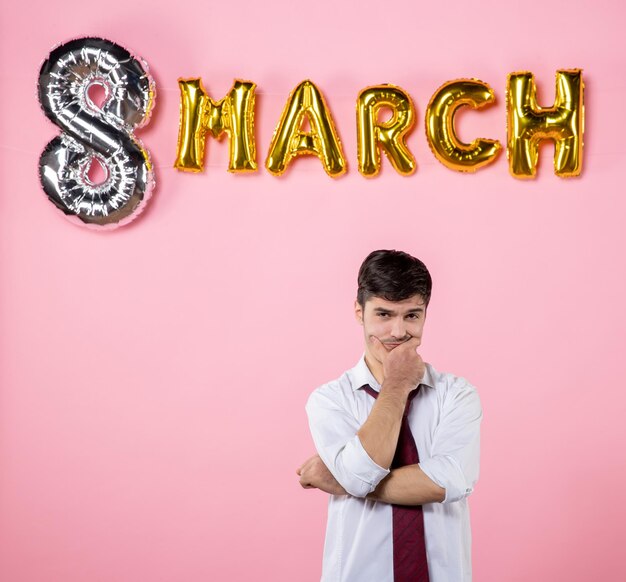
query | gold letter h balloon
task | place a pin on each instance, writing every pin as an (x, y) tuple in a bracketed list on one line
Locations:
[(528, 124)]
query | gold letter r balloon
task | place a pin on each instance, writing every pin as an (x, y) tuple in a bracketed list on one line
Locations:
[(390, 134)]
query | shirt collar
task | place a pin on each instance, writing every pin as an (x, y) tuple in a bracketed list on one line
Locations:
[(361, 375)]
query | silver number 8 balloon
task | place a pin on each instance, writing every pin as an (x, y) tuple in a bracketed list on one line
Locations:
[(93, 132)]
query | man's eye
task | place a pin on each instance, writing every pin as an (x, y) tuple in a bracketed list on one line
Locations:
[(413, 316), (383, 315)]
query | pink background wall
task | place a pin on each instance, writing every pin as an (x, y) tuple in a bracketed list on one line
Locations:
[(153, 379)]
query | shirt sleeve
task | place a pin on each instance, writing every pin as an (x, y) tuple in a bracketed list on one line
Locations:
[(454, 461), (334, 429)]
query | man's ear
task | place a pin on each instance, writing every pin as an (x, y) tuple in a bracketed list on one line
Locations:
[(358, 312)]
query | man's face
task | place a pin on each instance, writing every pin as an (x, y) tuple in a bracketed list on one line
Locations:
[(392, 322)]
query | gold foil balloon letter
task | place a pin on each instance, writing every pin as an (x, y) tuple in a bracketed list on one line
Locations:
[(290, 140), (440, 131), (389, 135), (233, 115), (528, 124)]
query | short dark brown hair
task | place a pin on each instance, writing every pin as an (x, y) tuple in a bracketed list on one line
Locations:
[(394, 276)]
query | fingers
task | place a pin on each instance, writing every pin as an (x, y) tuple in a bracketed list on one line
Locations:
[(413, 343), (377, 343), (407, 347), (380, 352), (305, 481), (303, 468), (309, 472)]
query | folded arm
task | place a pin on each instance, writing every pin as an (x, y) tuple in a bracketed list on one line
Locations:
[(359, 457), (345, 467), (408, 485), (403, 486)]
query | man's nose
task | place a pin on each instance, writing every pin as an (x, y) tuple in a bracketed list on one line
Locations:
[(398, 330)]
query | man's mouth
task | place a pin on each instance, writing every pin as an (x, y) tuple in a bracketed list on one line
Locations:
[(395, 344)]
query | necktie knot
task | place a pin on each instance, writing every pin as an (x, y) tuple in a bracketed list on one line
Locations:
[(374, 394)]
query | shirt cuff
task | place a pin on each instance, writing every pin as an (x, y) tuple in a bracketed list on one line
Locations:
[(358, 473), (446, 472)]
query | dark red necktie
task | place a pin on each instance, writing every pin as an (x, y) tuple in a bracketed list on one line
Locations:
[(409, 547)]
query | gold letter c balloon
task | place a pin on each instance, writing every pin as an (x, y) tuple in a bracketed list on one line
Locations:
[(440, 131)]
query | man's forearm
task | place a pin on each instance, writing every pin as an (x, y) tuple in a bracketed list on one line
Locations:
[(379, 433), (408, 485)]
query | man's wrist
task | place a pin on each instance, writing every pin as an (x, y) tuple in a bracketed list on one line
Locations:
[(397, 386)]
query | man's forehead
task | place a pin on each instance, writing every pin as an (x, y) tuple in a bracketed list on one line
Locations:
[(416, 302)]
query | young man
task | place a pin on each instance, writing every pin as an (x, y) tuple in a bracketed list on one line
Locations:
[(397, 443)]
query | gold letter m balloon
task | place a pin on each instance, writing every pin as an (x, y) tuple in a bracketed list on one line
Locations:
[(233, 115), (528, 124)]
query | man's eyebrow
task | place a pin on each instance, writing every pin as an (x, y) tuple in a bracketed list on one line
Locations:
[(383, 310)]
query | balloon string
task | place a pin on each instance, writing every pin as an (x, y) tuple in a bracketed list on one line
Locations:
[(426, 162), (283, 96), (13, 149), (206, 164)]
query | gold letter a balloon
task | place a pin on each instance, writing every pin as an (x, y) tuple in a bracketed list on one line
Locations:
[(290, 141)]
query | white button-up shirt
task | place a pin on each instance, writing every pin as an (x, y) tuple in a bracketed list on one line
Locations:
[(445, 421)]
